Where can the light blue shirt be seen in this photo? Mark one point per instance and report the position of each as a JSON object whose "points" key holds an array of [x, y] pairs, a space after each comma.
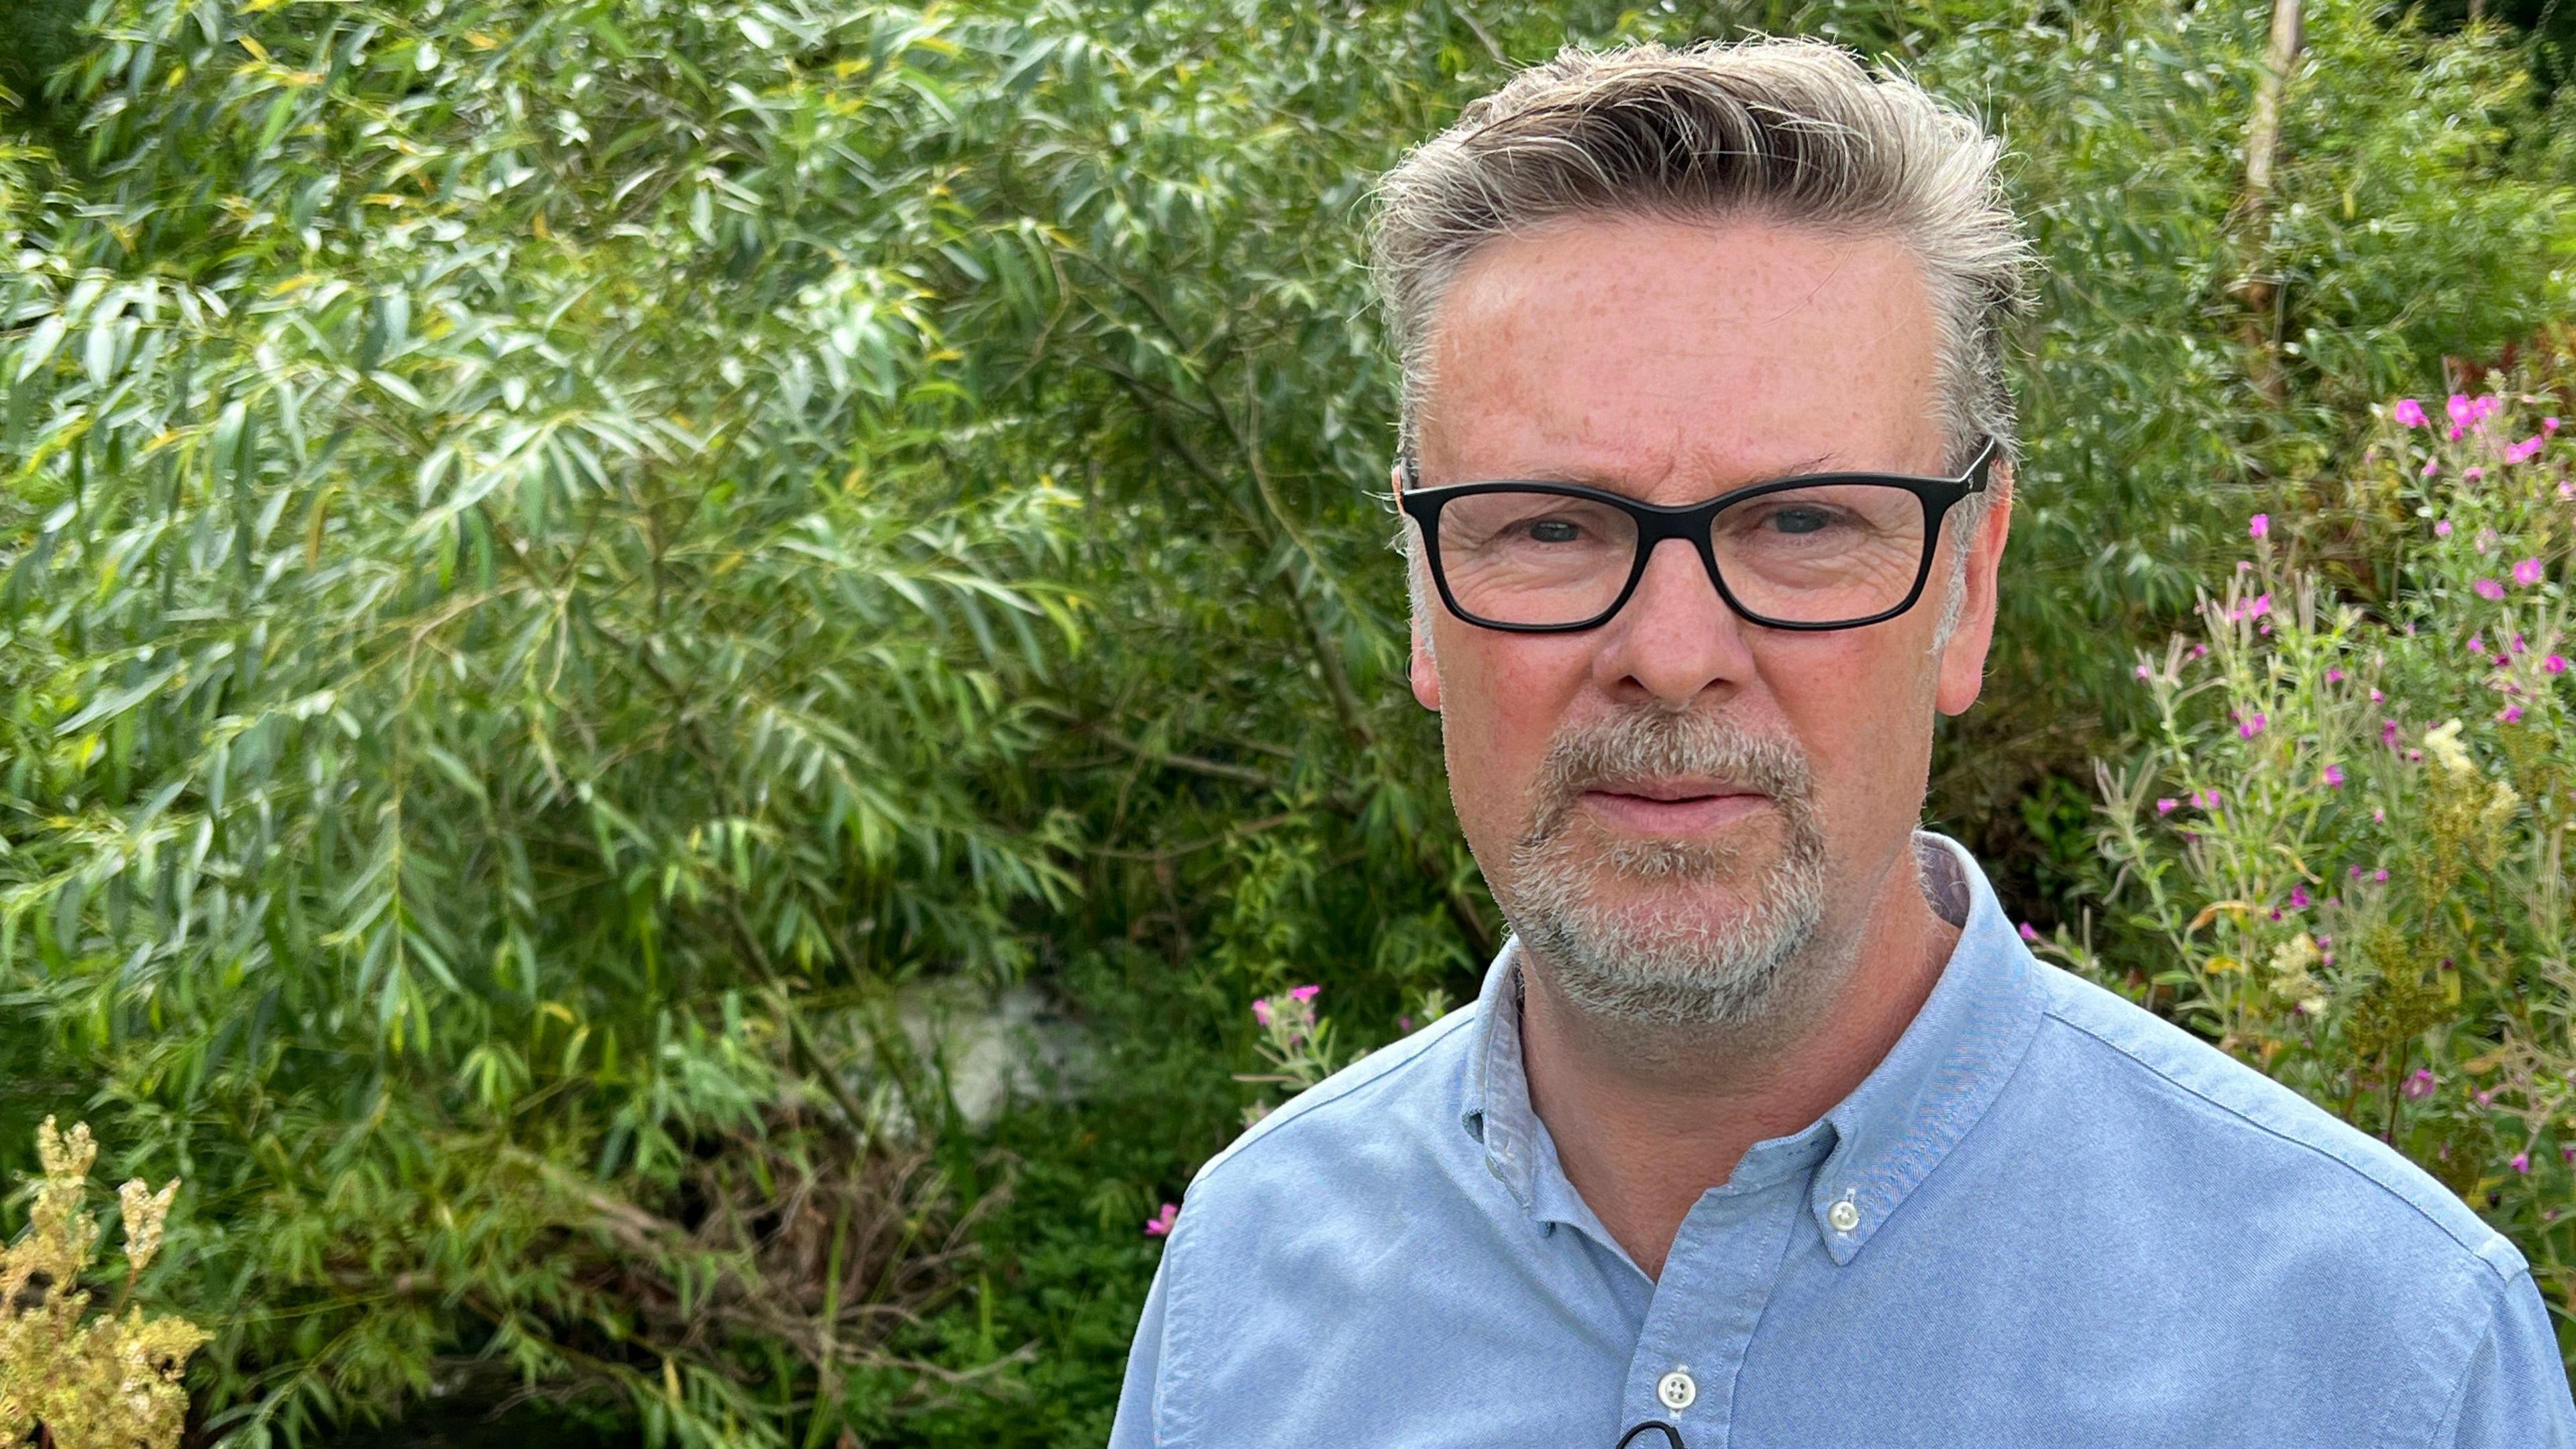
{"points": [[2046, 1219]]}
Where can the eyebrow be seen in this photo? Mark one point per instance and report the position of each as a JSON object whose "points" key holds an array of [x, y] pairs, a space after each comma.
{"points": [[1811, 467]]}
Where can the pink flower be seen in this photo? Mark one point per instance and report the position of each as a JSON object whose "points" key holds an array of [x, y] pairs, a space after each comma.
{"points": [[2522, 452], [2473, 474], [2334, 776], [2299, 900], [2253, 725], [2145, 673], [2477, 643], [2420, 1085], [2567, 1152], [1304, 993], [2510, 714], [2166, 805], [2376, 697], [2549, 425], [2527, 572], [1404, 1023], [2486, 540], [2554, 664], [2259, 525], [2488, 589], [2029, 932], [1160, 1226], [2459, 409], [2334, 676], [2379, 877], [1261, 1010], [2410, 412], [2388, 733], [2519, 1162], [2483, 1096], [2441, 526]]}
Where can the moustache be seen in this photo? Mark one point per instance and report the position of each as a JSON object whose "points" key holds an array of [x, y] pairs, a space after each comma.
{"points": [[1652, 743]]}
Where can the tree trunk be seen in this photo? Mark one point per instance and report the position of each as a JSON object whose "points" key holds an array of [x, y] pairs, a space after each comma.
{"points": [[2262, 164]]}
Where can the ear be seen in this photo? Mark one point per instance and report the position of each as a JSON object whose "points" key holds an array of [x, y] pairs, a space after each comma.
{"points": [[1962, 666], [1425, 674]]}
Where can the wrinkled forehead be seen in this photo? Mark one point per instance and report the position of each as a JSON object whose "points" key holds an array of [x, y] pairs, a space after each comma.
{"points": [[1665, 356]]}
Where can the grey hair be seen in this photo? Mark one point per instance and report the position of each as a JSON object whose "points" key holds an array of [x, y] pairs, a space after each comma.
{"points": [[1788, 131]]}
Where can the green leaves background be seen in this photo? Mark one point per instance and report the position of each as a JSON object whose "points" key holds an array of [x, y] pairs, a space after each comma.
{"points": [[560, 559]]}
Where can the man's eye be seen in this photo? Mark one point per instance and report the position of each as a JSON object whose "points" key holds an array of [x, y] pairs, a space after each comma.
{"points": [[1554, 530], [1800, 520]]}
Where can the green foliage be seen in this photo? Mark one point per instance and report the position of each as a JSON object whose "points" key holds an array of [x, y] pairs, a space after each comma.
{"points": [[2342, 850], [557, 554]]}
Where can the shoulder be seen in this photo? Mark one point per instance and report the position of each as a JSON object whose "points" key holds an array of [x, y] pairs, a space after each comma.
{"points": [[1401, 1091], [2234, 1130]]}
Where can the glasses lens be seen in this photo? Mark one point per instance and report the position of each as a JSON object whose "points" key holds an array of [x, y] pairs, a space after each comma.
{"points": [[1821, 555], [1534, 558]]}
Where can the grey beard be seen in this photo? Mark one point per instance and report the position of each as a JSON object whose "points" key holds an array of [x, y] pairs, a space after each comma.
{"points": [[1646, 965]]}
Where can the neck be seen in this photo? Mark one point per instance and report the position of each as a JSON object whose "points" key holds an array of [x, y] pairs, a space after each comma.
{"points": [[1646, 1120]]}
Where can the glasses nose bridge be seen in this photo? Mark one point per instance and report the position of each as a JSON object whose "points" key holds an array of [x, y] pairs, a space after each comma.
{"points": [[1690, 527]]}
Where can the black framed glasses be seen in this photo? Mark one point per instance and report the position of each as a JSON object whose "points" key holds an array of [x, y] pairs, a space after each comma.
{"points": [[1819, 551]]}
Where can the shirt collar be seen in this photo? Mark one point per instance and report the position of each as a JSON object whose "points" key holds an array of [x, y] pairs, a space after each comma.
{"points": [[1872, 1148]]}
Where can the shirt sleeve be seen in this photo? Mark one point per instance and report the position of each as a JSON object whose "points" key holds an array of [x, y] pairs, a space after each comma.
{"points": [[2515, 1392], [1138, 1425]]}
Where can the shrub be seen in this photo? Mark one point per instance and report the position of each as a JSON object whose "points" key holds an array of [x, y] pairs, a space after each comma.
{"points": [[2342, 848]]}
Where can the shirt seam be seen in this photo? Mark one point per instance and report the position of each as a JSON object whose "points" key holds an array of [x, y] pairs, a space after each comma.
{"points": [[2447, 1427], [2473, 1250]]}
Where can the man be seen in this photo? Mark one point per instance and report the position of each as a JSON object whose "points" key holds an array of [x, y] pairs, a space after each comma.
{"points": [[1766, 1129]]}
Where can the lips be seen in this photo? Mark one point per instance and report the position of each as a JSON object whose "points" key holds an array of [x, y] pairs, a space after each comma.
{"points": [[1673, 807]]}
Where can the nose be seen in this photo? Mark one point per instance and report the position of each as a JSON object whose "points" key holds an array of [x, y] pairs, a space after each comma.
{"points": [[1675, 637]]}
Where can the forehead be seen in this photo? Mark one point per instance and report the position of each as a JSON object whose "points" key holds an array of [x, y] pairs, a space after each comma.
{"points": [[1667, 357]]}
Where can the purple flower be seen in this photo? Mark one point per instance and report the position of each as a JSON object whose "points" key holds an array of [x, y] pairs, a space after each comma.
{"points": [[2377, 697], [1261, 1010], [1160, 1226], [2420, 1085], [2519, 1162], [2549, 425], [2334, 676], [2166, 805], [2253, 725], [2299, 900], [2554, 664], [1404, 1023], [2441, 526], [2567, 1152], [2334, 776], [2029, 932], [2483, 1096], [2522, 452], [2527, 572], [2434, 465], [2477, 643], [2488, 589], [2379, 877], [2259, 525], [2510, 714], [2410, 412], [2473, 474], [2388, 733], [1304, 993], [2145, 673], [2459, 409]]}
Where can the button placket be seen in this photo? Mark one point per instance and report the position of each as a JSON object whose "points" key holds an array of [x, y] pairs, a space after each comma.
{"points": [[1717, 1279]]}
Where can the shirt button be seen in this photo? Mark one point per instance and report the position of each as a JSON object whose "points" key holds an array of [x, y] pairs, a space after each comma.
{"points": [[1844, 1215], [1676, 1390]]}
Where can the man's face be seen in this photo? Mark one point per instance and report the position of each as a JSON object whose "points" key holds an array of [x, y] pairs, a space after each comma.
{"points": [[1672, 805]]}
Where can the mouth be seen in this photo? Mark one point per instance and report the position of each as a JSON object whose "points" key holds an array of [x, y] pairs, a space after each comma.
{"points": [[1673, 807]]}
